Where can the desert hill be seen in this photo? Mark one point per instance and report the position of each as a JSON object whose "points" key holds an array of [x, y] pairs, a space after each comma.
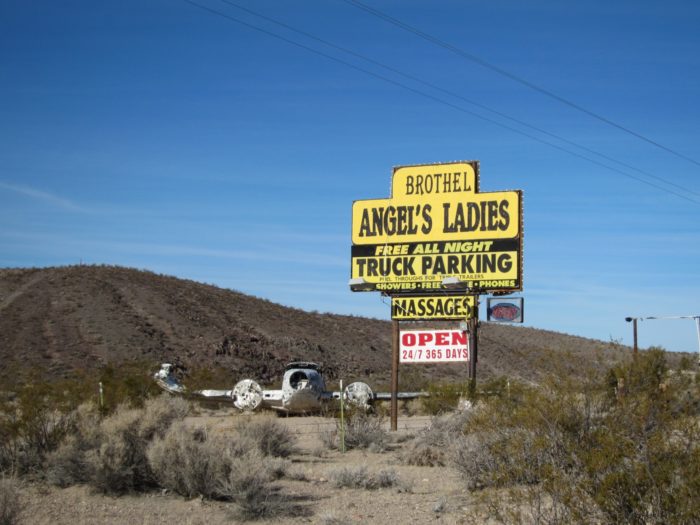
{"points": [[83, 317]]}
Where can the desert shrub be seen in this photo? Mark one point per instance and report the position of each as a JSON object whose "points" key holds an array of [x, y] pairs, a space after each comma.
{"points": [[423, 455], [129, 383], [159, 413], [10, 501], [432, 446], [120, 463], [39, 414], [443, 398], [68, 464], [386, 478], [32, 425], [497, 387], [508, 457], [361, 478], [411, 407], [248, 485], [686, 363], [187, 462], [330, 440], [572, 452], [270, 436], [332, 519], [190, 462], [361, 430]]}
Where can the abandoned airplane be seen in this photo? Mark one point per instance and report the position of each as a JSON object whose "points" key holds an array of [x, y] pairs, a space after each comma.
{"points": [[303, 391]]}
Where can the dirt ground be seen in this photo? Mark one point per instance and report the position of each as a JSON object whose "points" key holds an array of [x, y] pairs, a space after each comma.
{"points": [[421, 495]]}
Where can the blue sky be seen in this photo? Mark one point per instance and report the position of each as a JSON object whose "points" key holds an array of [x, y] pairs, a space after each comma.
{"points": [[164, 136]]}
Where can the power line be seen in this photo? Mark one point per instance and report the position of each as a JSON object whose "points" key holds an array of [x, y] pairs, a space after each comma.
{"points": [[434, 98], [453, 94], [478, 60]]}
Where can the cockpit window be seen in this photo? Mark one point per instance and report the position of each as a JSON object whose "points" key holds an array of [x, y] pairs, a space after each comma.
{"points": [[298, 380]]}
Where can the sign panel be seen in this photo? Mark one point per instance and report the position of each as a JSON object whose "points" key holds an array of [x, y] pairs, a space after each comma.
{"points": [[437, 225], [504, 309], [432, 307], [436, 218], [483, 265], [433, 346]]}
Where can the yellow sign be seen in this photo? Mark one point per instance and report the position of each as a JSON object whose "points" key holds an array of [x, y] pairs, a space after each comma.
{"points": [[493, 265], [435, 307], [436, 203], [437, 225]]}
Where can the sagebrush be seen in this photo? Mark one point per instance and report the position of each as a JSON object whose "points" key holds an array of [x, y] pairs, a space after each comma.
{"points": [[10, 501], [360, 430], [622, 448], [361, 478]]}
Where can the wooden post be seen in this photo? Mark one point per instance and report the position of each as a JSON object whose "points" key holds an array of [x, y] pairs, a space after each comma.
{"points": [[342, 420], [394, 375]]}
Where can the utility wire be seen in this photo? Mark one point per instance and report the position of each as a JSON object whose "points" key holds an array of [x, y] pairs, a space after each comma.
{"points": [[473, 58], [434, 98], [454, 94]]}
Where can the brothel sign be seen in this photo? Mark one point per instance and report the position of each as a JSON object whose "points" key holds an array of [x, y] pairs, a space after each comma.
{"points": [[436, 225], [433, 346]]}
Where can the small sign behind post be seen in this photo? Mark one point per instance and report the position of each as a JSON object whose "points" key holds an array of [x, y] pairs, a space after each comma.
{"points": [[504, 309]]}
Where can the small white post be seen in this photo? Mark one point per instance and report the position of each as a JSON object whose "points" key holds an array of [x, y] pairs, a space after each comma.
{"points": [[342, 419]]}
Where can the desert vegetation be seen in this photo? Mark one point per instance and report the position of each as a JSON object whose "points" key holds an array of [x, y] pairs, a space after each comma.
{"points": [[621, 448], [136, 446], [358, 430], [360, 477], [10, 501], [603, 445]]}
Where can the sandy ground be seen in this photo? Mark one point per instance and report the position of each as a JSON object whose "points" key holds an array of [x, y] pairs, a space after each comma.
{"points": [[422, 494]]}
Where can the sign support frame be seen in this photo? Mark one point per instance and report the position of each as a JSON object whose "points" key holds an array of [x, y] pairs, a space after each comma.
{"points": [[436, 227]]}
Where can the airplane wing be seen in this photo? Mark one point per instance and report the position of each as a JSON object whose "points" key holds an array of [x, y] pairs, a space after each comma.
{"points": [[386, 396], [245, 395], [361, 395]]}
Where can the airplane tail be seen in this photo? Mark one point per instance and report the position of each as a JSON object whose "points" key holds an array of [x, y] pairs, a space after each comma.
{"points": [[165, 379]]}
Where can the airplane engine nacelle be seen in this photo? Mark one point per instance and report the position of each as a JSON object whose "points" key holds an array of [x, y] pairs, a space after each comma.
{"points": [[359, 394], [247, 395]]}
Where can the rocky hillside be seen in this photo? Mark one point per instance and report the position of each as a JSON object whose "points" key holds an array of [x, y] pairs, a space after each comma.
{"points": [[83, 317]]}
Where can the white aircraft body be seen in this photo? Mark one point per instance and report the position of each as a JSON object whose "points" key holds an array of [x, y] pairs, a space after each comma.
{"points": [[303, 391]]}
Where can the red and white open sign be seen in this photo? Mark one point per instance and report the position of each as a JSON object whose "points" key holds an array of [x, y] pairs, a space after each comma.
{"points": [[433, 346]]}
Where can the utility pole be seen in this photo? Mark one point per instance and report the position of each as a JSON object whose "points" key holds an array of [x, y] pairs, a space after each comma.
{"points": [[633, 320]]}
